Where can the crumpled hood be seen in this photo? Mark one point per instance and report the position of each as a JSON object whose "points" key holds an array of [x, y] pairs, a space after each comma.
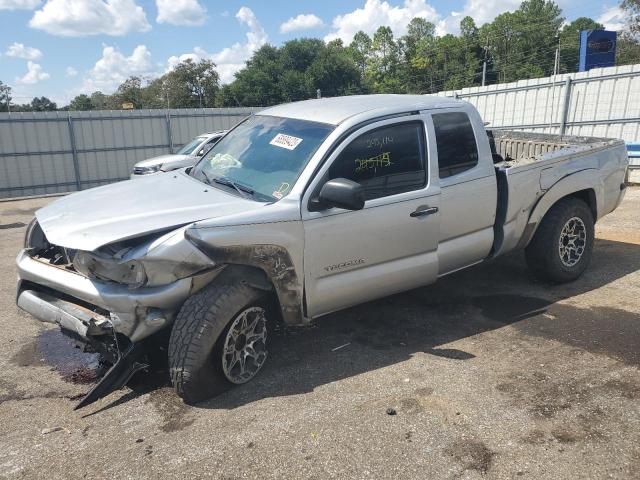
{"points": [[92, 218], [165, 159]]}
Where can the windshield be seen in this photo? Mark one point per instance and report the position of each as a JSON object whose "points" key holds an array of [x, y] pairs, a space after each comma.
{"points": [[263, 156], [191, 146]]}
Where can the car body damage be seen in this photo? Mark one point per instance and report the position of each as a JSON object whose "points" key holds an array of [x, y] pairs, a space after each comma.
{"points": [[274, 261]]}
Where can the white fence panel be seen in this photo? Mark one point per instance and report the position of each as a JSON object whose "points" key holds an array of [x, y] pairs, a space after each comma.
{"points": [[53, 152]]}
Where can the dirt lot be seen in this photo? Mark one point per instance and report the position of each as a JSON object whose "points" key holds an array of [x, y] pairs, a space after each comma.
{"points": [[490, 374]]}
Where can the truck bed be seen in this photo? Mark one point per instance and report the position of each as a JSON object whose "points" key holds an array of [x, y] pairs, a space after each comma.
{"points": [[516, 148], [528, 165]]}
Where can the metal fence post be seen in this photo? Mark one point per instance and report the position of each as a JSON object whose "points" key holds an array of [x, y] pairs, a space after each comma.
{"points": [[567, 104], [74, 152], [169, 134]]}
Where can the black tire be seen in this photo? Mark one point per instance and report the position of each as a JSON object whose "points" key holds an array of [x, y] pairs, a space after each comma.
{"points": [[543, 253], [197, 338]]}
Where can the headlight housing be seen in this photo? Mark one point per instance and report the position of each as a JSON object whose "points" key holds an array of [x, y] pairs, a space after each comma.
{"points": [[130, 272], [146, 170], [34, 238]]}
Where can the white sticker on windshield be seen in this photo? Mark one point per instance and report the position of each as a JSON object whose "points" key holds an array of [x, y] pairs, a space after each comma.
{"points": [[285, 141]]}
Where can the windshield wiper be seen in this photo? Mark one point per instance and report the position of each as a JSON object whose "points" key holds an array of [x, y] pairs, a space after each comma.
{"points": [[241, 189]]}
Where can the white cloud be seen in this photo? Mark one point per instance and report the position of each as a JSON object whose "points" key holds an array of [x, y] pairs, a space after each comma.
{"points": [[613, 18], [71, 72], [483, 11], [181, 12], [231, 59], [304, 21], [18, 50], [76, 18], [377, 13], [113, 68], [34, 74], [18, 4]]}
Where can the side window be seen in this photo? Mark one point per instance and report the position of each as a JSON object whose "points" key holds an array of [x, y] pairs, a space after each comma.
{"points": [[457, 149], [207, 146], [385, 161]]}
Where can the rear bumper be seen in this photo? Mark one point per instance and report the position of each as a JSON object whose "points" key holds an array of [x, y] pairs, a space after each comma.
{"points": [[135, 313]]}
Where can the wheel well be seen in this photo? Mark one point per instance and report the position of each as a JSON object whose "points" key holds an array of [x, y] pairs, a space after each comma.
{"points": [[588, 196], [255, 277], [252, 276]]}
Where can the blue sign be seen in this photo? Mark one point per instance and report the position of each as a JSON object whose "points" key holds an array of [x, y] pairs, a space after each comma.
{"points": [[597, 49]]}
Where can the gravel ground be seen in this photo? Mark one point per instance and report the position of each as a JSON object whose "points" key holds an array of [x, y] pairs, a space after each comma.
{"points": [[489, 373]]}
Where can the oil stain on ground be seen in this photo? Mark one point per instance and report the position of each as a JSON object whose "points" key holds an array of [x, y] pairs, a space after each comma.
{"points": [[471, 455], [52, 348], [175, 414]]}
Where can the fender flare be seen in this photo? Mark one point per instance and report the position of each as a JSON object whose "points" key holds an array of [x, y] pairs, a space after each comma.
{"points": [[575, 182]]}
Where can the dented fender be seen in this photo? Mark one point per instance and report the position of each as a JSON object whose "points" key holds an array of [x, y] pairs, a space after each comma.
{"points": [[274, 260]]}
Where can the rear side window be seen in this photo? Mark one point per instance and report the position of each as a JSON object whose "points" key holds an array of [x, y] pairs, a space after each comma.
{"points": [[457, 149], [385, 161]]}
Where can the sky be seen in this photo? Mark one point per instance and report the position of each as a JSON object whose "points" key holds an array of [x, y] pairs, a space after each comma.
{"points": [[61, 48]]}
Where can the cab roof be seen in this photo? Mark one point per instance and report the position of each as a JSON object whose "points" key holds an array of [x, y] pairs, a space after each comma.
{"points": [[336, 110]]}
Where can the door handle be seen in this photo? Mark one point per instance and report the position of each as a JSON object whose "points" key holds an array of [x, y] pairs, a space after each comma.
{"points": [[423, 211]]}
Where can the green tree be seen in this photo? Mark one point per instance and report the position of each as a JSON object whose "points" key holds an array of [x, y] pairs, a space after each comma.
{"points": [[5, 97], [522, 43], [627, 49], [360, 49], [42, 104], [334, 73], [384, 61], [193, 84], [99, 101], [130, 91], [632, 9], [293, 72], [416, 47], [81, 102]]}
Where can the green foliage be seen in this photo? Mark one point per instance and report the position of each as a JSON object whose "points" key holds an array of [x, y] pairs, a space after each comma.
{"points": [[293, 72], [632, 8], [43, 104], [81, 102], [5, 97], [517, 45]]}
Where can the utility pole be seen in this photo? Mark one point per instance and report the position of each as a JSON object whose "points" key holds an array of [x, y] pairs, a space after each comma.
{"points": [[556, 63], [484, 63]]}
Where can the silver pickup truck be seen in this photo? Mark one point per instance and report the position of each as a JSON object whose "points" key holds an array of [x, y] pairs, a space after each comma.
{"points": [[302, 210]]}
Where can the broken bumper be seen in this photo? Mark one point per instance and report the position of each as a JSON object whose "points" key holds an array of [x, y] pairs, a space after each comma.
{"points": [[135, 313]]}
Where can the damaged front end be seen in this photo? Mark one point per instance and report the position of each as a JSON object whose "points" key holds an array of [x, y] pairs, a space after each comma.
{"points": [[114, 299]]}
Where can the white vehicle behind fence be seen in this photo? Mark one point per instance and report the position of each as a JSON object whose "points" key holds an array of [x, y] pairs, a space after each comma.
{"points": [[187, 156], [299, 211]]}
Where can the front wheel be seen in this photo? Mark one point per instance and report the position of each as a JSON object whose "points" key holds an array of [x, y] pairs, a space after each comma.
{"points": [[218, 339], [561, 248]]}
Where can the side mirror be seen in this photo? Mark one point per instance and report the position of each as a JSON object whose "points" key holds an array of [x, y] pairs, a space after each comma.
{"points": [[342, 193]]}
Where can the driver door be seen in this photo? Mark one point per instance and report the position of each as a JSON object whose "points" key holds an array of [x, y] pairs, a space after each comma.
{"points": [[389, 246]]}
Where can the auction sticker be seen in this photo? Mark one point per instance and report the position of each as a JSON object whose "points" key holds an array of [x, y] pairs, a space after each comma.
{"points": [[285, 141]]}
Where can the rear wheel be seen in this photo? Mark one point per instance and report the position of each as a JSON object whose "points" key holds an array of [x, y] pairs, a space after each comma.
{"points": [[562, 246], [219, 339]]}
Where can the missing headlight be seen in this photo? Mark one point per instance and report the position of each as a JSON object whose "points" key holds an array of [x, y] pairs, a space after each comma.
{"points": [[130, 272], [34, 238]]}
